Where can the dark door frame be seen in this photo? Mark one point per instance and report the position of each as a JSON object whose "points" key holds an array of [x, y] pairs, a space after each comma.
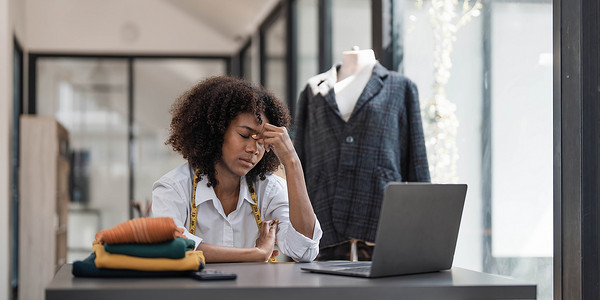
{"points": [[576, 137]]}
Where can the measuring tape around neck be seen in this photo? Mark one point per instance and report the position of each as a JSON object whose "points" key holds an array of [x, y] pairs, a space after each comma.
{"points": [[194, 211]]}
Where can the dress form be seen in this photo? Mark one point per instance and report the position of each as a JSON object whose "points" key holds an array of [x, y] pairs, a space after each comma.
{"points": [[352, 77]]}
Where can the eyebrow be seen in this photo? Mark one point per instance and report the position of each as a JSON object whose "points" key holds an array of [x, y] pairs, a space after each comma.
{"points": [[248, 128]]}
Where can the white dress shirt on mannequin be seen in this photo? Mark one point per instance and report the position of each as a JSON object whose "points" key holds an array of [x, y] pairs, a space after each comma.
{"points": [[352, 77]]}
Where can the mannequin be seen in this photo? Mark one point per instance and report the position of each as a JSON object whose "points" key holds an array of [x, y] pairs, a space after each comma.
{"points": [[354, 61], [357, 127], [352, 77]]}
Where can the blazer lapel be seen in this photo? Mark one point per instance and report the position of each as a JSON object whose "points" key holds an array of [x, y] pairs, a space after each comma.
{"points": [[330, 99], [323, 85], [374, 85]]}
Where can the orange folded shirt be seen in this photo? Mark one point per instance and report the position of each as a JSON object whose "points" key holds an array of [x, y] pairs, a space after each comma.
{"points": [[141, 231]]}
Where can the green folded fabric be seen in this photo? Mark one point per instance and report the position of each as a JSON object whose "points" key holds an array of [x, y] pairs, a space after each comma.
{"points": [[172, 249]]}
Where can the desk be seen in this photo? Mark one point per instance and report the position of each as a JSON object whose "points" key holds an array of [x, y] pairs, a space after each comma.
{"points": [[287, 281]]}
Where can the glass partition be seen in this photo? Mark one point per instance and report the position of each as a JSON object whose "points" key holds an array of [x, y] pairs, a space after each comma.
{"points": [[307, 41], [157, 84], [247, 63], [117, 143], [351, 26], [88, 96], [486, 71], [274, 71], [521, 142]]}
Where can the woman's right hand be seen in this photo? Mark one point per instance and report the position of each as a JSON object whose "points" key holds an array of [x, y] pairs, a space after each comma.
{"points": [[266, 239]]}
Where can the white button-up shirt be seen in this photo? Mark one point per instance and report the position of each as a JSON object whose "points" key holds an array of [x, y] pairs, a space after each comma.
{"points": [[172, 197]]}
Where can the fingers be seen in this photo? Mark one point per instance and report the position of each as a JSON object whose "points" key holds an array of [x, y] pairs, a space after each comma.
{"points": [[271, 131], [271, 135], [275, 253], [265, 226], [271, 127], [269, 227], [267, 238], [276, 138]]}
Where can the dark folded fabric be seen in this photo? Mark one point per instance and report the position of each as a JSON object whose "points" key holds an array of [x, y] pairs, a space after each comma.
{"points": [[87, 268], [171, 249]]}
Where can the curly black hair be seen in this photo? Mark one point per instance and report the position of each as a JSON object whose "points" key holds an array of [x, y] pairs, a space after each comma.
{"points": [[201, 116]]}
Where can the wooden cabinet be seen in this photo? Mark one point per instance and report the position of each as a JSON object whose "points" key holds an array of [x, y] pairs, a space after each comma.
{"points": [[43, 203]]}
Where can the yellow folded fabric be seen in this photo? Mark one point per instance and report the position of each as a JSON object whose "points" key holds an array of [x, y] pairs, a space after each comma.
{"points": [[192, 261]]}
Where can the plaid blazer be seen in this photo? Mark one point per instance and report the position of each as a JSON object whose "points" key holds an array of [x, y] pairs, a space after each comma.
{"points": [[347, 164]]}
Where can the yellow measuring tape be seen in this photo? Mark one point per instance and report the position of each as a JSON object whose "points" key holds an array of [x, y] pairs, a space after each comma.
{"points": [[194, 211]]}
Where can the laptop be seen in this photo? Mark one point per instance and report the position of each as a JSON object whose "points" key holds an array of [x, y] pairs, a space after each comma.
{"points": [[417, 232]]}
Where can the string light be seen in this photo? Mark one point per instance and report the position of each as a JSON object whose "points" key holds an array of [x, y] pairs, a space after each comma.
{"points": [[439, 113]]}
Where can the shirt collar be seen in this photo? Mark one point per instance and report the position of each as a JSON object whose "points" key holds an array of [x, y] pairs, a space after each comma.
{"points": [[205, 193], [322, 83], [244, 191]]}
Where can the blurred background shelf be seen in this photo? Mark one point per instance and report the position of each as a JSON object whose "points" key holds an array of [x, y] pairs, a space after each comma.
{"points": [[44, 203]]}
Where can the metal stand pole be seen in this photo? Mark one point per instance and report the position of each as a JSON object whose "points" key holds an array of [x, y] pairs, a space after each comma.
{"points": [[353, 250]]}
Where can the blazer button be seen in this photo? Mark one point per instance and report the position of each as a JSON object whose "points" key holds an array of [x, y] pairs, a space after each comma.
{"points": [[349, 139]]}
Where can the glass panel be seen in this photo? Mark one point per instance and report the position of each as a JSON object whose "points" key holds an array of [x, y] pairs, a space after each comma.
{"points": [[522, 115], [88, 96], [247, 64], [307, 41], [251, 60], [464, 90], [157, 84], [275, 55], [351, 26], [506, 88], [522, 158]]}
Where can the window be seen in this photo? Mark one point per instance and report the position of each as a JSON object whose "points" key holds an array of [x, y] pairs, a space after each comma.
{"points": [[273, 71], [347, 34], [117, 113], [499, 77], [157, 83], [307, 39]]}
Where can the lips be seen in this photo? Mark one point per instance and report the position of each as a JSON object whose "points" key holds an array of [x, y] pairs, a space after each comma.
{"points": [[248, 161]]}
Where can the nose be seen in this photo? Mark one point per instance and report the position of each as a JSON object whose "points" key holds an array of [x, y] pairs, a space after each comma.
{"points": [[254, 146]]}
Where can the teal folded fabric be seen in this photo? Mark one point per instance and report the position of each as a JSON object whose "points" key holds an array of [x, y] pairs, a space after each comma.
{"points": [[172, 249], [87, 268]]}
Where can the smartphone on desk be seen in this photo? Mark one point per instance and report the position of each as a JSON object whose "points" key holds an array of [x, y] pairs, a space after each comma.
{"points": [[212, 274]]}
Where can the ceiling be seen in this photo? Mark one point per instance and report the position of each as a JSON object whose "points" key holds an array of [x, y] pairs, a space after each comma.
{"points": [[234, 19]]}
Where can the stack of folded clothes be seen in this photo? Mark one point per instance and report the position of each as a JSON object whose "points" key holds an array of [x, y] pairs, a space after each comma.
{"points": [[143, 247]]}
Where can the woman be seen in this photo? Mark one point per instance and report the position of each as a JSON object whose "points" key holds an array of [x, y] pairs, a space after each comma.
{"points": [[233, 136]]}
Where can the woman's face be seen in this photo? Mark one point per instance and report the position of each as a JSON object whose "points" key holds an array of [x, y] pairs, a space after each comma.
{"points": [[241, 151]]}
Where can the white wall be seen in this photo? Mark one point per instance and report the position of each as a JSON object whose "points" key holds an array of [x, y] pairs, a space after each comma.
{"points": [[18, 20], [113, 26]]}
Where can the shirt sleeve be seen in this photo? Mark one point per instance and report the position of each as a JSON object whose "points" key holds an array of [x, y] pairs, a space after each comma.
{"points": [[169, 200], [292, 243]]}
